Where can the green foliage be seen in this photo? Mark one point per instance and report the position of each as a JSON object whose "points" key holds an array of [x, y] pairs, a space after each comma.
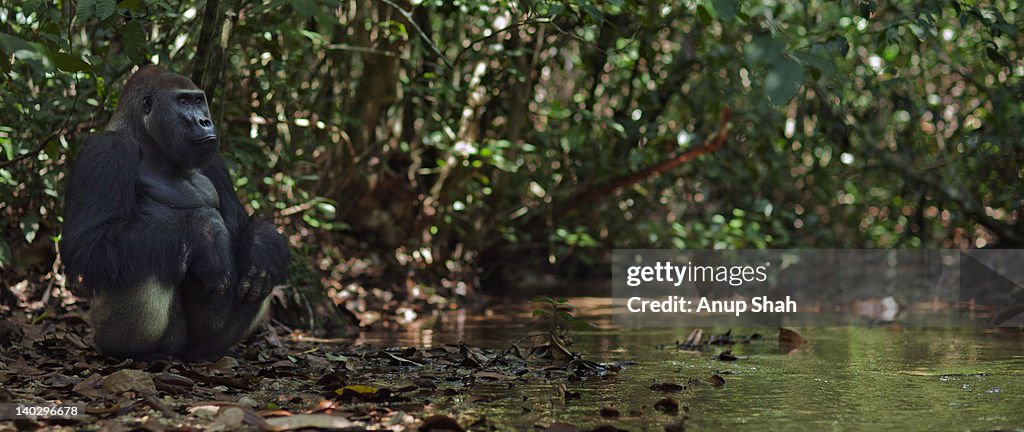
{"points": [[560, 316], [5, 254], [431, 132]]}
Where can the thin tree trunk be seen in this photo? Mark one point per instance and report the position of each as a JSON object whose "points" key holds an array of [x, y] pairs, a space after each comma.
{"points": [[219, 18]]}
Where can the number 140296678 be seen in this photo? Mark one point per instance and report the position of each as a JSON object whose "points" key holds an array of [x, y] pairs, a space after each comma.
{"points": [[12, 411]]}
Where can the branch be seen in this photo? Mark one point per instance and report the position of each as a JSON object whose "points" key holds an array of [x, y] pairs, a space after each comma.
{"points": [[1006, 232], [512, 26], [716, 143], [596, 192], [53, 135], [423, 35]]}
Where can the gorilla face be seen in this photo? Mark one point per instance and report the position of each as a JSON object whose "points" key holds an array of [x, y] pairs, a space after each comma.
{"points": [[178, 120]]}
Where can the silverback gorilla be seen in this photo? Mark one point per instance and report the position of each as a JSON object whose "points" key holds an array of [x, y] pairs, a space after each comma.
{"points": [[155, 234]]}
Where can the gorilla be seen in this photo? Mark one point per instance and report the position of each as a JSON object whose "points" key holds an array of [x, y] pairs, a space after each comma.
{"points": [[155, 234]]}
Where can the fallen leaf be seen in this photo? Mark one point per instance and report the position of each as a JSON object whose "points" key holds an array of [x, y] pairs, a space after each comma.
{"points": [[332, 380], [158, 405], [399, 360], [716, 380], [693, 340], [473, 357], [424, 383], [76, 341], [21, 367], [284, 364], [559, 350], [667, 405], [363, 392], [129, 380], [224, 365], [172, 383], [789, 340]]}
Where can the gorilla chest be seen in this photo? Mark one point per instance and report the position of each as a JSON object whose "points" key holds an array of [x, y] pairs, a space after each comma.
{"points": [[169, 197]]}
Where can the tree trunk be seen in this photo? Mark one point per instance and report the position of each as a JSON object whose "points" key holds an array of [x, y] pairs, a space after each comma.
{"points": [[219, 18]]}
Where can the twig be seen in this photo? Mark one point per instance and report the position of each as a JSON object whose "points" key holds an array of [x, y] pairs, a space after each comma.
{"points": [[512, 26], [155, 403], [515, 345], [423, 35], [53, 135], [35, 151]]}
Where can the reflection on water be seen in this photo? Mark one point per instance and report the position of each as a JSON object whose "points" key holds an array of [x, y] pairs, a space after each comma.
{"points": [[845, 378]]}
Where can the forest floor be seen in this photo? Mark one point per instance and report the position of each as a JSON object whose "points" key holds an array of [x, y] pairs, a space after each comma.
{"points": [[279, 380]]}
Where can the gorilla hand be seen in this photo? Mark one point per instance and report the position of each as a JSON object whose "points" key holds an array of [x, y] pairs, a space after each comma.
{"points": [[260, 254], [254, 285]]}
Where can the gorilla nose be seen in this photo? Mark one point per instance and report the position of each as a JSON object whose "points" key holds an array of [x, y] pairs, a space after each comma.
{"points": [[203, 130]]}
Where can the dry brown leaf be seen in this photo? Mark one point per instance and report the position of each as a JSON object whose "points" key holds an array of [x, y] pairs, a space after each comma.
{"points": [[790, 340], [224, 365], [129, 380], [667, 405], [694, 338], [90, 386], [715, 380]]}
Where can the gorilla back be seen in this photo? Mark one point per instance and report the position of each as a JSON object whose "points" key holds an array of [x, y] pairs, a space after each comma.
{"points": [[154, 232]]}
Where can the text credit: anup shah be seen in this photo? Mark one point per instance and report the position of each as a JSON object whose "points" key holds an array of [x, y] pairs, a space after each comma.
{"points": [[678, 304]]}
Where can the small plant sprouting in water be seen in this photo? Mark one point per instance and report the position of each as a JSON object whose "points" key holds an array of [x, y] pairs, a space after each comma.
{"points": [[556, 319], [560, 314]]}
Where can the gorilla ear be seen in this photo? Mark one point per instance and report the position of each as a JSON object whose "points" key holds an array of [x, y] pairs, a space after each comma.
{"points": [[147, 104]]}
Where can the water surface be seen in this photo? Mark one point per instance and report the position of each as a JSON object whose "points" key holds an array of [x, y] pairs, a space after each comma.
{"points": [[876, 378]]}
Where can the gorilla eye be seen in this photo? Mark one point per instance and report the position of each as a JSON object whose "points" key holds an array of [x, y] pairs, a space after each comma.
{"points": [[182, 100]]}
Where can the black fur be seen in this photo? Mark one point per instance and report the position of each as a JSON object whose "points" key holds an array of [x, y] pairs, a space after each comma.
{"points": [[154, 232]]}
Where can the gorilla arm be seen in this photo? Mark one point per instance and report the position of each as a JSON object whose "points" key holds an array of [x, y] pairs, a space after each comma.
{"points": [[261, 253], [101, 242]]}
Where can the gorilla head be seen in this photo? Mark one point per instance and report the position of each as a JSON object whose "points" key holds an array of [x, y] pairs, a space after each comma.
{"points": [[172, 114]]}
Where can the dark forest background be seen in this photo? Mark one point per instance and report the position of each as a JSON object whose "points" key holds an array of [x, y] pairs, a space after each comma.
{"points": [[418, 154]]}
